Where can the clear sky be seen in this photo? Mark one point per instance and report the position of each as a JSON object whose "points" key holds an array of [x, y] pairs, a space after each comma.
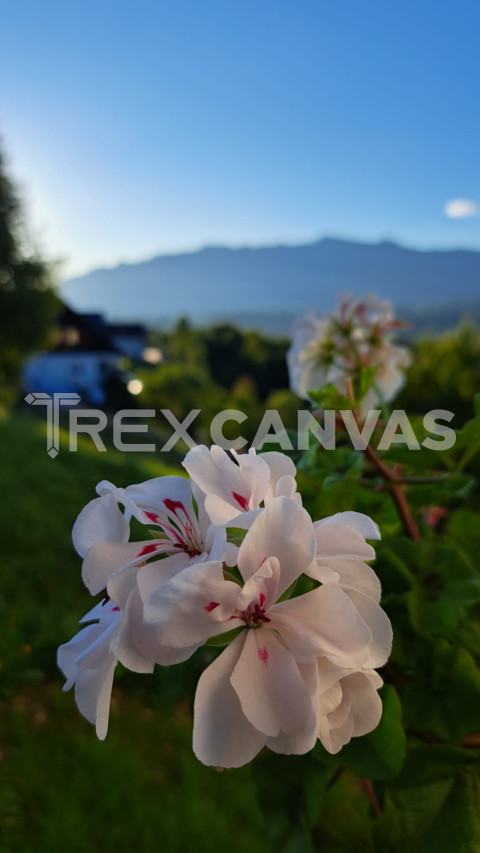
{"points": [[137, 128]]}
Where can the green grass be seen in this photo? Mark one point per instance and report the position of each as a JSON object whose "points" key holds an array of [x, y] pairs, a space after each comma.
{"points": [[60, 789]]}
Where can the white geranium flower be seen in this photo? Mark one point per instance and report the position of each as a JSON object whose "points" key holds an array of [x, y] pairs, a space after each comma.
{"points": [[235, 488], [263, 689], [183, 535]]}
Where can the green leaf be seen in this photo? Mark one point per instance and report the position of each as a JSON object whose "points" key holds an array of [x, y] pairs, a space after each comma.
{"points": [[463, 528], [288, 592], [226, 638], [476, 405], [442, 695], [468, 440], [437, 794], [445, 582], [363, 381], [398, 553], [347, 820], [468, 631], [290, 793], [329, 397], [423, 460]]}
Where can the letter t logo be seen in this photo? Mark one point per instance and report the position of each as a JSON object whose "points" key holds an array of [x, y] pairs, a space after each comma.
{"points": [[53, 404]]}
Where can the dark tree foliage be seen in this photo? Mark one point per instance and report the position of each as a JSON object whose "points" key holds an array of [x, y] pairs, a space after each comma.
{"points": [[232, 354], [27, 300]]}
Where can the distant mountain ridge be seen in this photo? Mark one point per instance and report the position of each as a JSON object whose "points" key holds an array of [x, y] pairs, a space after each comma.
{"points": [[275, 280]]}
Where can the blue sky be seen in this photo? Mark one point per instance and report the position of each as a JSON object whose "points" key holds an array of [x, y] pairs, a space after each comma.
{"points": [[141, 128]]}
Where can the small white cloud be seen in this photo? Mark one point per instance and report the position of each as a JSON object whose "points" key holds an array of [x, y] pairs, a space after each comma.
{"points": [[459, 208]]}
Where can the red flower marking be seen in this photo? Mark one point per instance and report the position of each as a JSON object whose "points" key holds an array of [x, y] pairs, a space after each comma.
{"points": [[147, 549], [153, 517], [263, 655], [211, 606], [253, 618], [262, 599], [241, 501], [116, 608], [174, 505]]}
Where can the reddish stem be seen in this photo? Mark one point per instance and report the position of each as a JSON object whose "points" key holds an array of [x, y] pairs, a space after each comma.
{"points": [[398, 494], [472, 741], [368, 788]]}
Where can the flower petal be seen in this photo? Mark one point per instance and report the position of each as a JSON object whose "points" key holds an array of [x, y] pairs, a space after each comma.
{"points": [[93, 691], [192, 606], [124, 646], [99, 520], [283, 530], [222, 735], [230, 487], [365, 702], [304, 740], [105, 558], [269, 685], [323, 622], [358, 520], [352, 575], [341, 540], [380, 626]]}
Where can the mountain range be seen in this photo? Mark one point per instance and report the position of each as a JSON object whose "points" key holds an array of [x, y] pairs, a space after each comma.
{"points": [[279, 282]]}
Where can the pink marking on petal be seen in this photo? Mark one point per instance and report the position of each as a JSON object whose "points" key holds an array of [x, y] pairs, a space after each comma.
{"points": [[241, 501], [116, 608], [174, 505], [147, 549], [263, 655], [153, 517], [211, 606], [262, 599]]}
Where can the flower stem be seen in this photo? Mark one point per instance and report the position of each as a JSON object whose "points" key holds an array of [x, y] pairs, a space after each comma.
{"points": [[368, 788], [394, 484], [398, 494]]}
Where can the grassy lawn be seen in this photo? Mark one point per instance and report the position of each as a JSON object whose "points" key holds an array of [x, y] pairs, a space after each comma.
{"points": [[61, 789]]}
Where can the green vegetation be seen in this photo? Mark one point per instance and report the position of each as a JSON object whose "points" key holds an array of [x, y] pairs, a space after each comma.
{"points": [[220, 368], [445, 373], [61, 789], [27, 300]]}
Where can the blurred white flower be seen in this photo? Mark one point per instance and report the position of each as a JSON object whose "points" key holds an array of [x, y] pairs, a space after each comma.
{"points": [[335, 348]]}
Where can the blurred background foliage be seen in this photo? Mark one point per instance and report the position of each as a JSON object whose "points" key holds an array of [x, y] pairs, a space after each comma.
{"points": [[28, 303]]}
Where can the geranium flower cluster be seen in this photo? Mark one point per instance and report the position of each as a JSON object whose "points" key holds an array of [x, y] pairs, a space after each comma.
{"points": [[337, 347], [223, 552]]}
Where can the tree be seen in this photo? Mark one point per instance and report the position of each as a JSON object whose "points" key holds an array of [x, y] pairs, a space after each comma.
{"points": [[27, 300]]}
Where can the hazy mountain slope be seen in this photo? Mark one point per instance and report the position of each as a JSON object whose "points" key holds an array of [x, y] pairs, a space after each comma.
{"points": [[216, 281]]}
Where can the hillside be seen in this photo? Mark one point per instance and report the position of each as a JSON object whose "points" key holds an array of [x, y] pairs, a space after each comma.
{"points": [[275, 280]]}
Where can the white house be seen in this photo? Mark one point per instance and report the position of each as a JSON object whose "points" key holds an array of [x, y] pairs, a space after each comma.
{"points": [[87, 357]]}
